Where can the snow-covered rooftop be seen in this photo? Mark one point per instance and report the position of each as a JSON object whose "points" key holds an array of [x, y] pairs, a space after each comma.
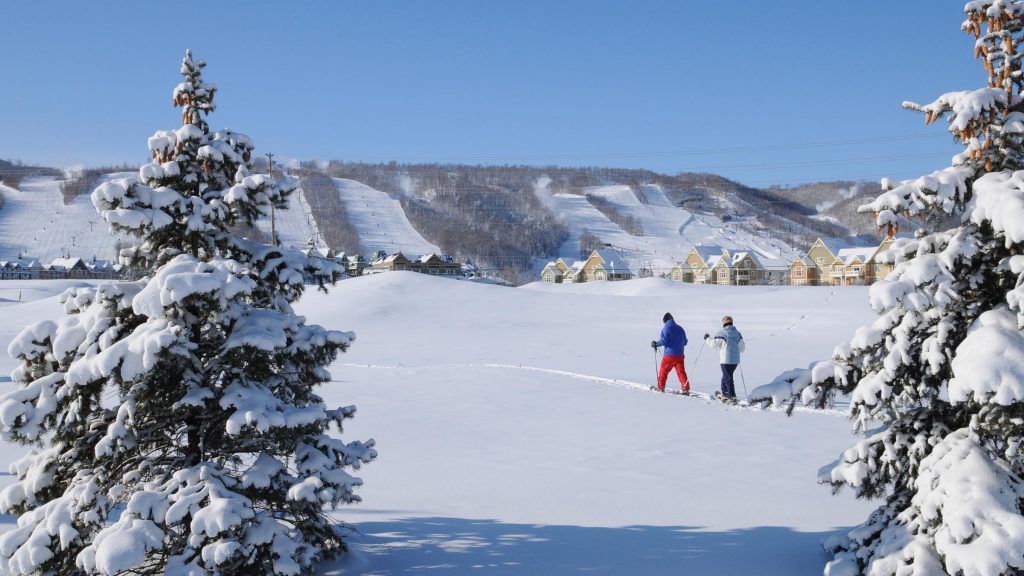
{"points": [[613, 263], [707, 251]]}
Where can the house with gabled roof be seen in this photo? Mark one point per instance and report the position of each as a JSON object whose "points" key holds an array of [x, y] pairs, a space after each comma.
{"points": [[710, 264], [803, 272], [696, 267], [840, 262], [74, 268], [391, 263], [605, 265], [436, 265], [600, 265], [554, 272], [747, 269]]}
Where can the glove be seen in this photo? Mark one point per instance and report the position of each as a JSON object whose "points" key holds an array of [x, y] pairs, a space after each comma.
{"points": [[654, 344], [706, 336]]}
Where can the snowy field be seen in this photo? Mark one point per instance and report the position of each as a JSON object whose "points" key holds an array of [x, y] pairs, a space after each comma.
{"points": [[380, 221], [517, 436], [669, 232]]}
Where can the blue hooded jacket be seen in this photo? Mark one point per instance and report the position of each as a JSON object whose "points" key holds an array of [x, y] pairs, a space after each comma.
{"points": [[673, 338]]}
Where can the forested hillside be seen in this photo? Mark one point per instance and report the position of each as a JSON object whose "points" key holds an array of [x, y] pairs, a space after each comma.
{"points": [[501, 218]]}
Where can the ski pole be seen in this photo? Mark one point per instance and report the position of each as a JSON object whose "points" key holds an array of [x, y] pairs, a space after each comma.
{"points": [[744, 380], [701, 351], [655, 365]]}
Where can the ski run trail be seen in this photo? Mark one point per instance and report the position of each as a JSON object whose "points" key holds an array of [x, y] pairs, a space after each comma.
{"points": [[513, 438], [35, 223], [295, 226], [669, 231], [380, 221]]}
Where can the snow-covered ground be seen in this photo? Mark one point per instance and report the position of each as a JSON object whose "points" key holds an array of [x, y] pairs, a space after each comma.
{"points": [[380, 220], [669, 232], [517, 436], [35, 222]]}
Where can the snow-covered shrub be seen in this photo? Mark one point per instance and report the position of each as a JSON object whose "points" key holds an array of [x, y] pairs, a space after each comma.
{"points": [[176, 426], [936, 383]]}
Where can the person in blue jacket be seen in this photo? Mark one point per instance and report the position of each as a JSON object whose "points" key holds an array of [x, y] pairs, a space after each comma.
{"points": [[673, 338], [729, 343]]}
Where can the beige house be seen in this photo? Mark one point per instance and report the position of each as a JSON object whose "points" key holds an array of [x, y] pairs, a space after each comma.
{"points": [[708, 264], [554, 271], [600, 265], [837, 262], [392, 263], [803, 272], [432, 264], [436, 265], [696, 268]]}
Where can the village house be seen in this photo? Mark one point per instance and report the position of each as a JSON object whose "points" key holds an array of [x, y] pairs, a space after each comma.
{"points": [[840, 262], [58, 269], [391, 263], [71, 268], [709, 264], [436, 265], [355, 264], [554, 271], [432, 264], [600, 265]]}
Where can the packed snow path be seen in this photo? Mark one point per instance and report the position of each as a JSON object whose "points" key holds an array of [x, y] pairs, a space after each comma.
{"points": [[514, 438], [380, 221]]}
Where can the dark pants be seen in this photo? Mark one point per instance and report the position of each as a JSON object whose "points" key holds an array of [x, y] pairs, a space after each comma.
{"points": [[728, 385]]}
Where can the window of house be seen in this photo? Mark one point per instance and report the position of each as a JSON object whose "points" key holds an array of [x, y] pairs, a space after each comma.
{"points": [[400, 267], [820, 260], [798, 272], [856, 269]]}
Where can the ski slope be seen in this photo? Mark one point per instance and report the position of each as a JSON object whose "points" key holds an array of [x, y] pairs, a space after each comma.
{"points": [[512, 445], [34, 222], [669, 232], [295, 227], [380, 220]]}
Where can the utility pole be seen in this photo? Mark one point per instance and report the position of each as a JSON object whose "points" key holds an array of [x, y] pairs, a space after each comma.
{"points": [[273, 227]]}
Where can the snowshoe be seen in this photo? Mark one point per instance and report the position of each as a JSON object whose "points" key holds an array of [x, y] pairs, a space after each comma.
{"points": [[725, 399]]}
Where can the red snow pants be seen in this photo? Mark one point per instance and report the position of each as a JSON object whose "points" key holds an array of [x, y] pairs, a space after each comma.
{"points": [[668, 362]]}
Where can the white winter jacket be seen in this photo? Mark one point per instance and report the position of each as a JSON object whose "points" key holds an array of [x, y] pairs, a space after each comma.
{"points": [[729, 343]]}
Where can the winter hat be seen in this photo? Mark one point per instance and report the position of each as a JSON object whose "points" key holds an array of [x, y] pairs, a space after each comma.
{"points": [[667, 317]]}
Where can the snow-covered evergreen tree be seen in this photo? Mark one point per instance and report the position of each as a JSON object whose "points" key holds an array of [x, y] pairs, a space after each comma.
{"points": [[177, 426], [936, 383]]}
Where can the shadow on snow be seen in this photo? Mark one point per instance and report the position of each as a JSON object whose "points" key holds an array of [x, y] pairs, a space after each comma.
{"points": [[451, 546]]}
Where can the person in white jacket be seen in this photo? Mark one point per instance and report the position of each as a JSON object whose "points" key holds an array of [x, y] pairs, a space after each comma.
{"points": [[729, 343]]}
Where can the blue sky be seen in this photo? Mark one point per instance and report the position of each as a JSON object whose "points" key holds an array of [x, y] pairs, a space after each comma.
{"points": [[761, 92]]}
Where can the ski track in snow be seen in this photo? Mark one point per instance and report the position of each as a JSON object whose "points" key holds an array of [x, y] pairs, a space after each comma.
{"points": [[380, 220], [618, 383]]}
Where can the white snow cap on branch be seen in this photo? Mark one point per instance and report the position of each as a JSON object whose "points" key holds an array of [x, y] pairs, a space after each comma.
{"points": [[989, 363]]}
